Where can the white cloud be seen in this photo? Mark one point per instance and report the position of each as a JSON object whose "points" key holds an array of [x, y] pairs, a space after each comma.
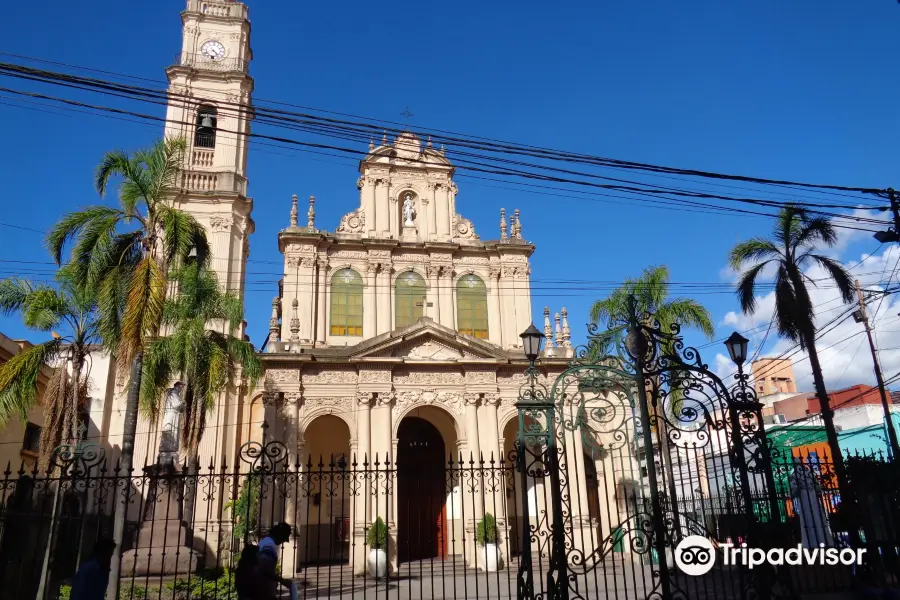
{"points": [[843, 349]]}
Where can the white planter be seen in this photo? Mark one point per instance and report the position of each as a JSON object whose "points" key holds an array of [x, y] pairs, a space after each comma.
{"points": [[491, 556], [378, 563]]}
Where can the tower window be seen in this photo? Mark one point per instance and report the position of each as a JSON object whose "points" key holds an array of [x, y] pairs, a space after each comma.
{"points": [[409, 298], [32, 439], [471, 306], [205, 135], [347, 303]]}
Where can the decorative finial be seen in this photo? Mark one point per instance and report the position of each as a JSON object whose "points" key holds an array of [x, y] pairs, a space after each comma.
{"points": [[274, 329], [557, 339], [443, 150], [548, 330], [566, 332], [294, 210], [517, 228], [384, 138], [502, 224], [429, 141], [371, 144], [311, 215], [295, 322]]}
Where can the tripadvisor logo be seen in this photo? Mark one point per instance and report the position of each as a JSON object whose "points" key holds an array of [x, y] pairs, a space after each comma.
{"points": [[696, 555]]}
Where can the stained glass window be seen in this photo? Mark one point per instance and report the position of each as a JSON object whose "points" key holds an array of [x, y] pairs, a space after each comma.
{"points": [[409, 299], [347, 303], [471, 306]]}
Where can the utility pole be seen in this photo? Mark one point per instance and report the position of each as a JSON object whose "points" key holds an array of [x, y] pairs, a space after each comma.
{"points": [[892, 234], [861, 316]]}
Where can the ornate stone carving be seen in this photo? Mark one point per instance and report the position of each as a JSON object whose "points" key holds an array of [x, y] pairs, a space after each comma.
{"points": [[432, 271], [380, 254], [353, 222], [379, 376], [464, 228], [492, 398], [283, 375], [344, 376], [472, 398], [386, 398], [220, 223], [307, 262], [361, 182], [293, 398], [372, 267], [429, 378], [480, 377], [407, 257], [494, 272], [365, 398], [343, 404], [292, 261], [350, 254], [452, 401], [515, 258], [431, 351], [269, 398], [473, 260]]}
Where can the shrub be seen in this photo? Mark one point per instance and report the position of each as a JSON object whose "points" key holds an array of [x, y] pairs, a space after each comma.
{"points": [[213, 584], [376, 537], [486, 532]]}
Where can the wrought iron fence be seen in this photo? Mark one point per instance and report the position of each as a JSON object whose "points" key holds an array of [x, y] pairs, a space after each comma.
{"points": [[186, 530]]}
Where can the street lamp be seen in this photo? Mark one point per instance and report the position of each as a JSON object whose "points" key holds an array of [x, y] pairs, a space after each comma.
{"points": [[737, 348], [532, 339]]}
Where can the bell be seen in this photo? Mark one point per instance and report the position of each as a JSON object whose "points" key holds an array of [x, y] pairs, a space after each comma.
{"points": [[206, 123]]}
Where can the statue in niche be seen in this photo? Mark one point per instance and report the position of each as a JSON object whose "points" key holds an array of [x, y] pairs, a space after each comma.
{"points": [[171, 428], [408, 210]]}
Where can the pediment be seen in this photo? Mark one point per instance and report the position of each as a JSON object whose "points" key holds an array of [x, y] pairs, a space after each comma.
{"points": [[428, 341]]}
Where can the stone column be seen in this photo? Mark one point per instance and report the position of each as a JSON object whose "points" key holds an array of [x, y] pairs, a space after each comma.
{"points": [[301, 521], [384, 504], [445, 285], [306, 293], [369, 307], [362, 506], [473, 495], [321, 307], [507, 308], [523, 300], [382, 224], [368, 204], [491, 447], [293, 401], [425, 219], [578, 495], [443, 213], [394, 217], [432, 188], [495, 321], [433, 295], [383, 299]]}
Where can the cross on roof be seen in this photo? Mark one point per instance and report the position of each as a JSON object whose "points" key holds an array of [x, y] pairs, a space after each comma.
{"points": [[406, 114]]}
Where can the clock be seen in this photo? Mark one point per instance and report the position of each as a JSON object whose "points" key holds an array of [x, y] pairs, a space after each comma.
{"points": [[213, 50]]}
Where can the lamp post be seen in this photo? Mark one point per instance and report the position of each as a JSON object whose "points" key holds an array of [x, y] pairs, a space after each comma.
{"points": [[743, 400], [537, 430]]}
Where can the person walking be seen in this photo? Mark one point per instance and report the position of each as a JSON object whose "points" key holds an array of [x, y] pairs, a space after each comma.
{"points": [[268, 560], [93, 574]]}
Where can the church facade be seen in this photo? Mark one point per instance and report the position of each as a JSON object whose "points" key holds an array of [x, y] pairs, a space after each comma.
{"points": [[394, 340]]}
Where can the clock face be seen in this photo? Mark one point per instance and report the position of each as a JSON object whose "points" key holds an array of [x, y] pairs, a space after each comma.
{"points": [[213, 50]]}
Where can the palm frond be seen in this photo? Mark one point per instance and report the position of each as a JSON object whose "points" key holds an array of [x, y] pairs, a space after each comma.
{"points": [[71, 225], [13, 294], [752, 250], [746, 288], [839, 275], [19, 379], [689, 313]]}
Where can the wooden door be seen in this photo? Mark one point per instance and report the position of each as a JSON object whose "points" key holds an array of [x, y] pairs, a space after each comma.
{"points": [[421, 491]]}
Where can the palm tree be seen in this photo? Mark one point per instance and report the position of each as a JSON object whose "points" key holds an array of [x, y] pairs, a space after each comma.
{"points": [[125, 254], [204, 358], [45, 308], [794, 239], [651, 293]]}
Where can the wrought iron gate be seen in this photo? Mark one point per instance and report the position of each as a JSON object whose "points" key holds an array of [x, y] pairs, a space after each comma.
{"points": [[675, 452]]}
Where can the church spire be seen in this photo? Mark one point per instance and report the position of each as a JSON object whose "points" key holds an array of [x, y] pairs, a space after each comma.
{"points": [[311, 215], [294, 210], [502, 224]]}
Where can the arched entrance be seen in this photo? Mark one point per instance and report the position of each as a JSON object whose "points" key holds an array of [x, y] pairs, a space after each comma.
{"points": [[421, 491]]}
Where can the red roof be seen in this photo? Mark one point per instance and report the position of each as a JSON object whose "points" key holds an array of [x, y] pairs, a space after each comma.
{"points": [[857, 395]]}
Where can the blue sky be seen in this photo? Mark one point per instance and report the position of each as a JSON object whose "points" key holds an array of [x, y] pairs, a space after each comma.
{"points": [[803, 90]]}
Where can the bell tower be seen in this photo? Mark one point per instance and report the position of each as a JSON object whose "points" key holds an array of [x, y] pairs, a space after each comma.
{"points": [[210, 107]]}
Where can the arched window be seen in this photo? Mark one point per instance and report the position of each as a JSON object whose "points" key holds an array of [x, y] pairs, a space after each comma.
{"points": [[346, 303], [471, 306], [205, 135], [409, 298]]}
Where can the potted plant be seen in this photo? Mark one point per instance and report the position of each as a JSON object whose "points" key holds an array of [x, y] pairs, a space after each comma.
{"points": [[376, 540], [486, 536]]}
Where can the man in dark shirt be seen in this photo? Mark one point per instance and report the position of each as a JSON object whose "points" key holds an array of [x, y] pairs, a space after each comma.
{"points": [[93, 575]]}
